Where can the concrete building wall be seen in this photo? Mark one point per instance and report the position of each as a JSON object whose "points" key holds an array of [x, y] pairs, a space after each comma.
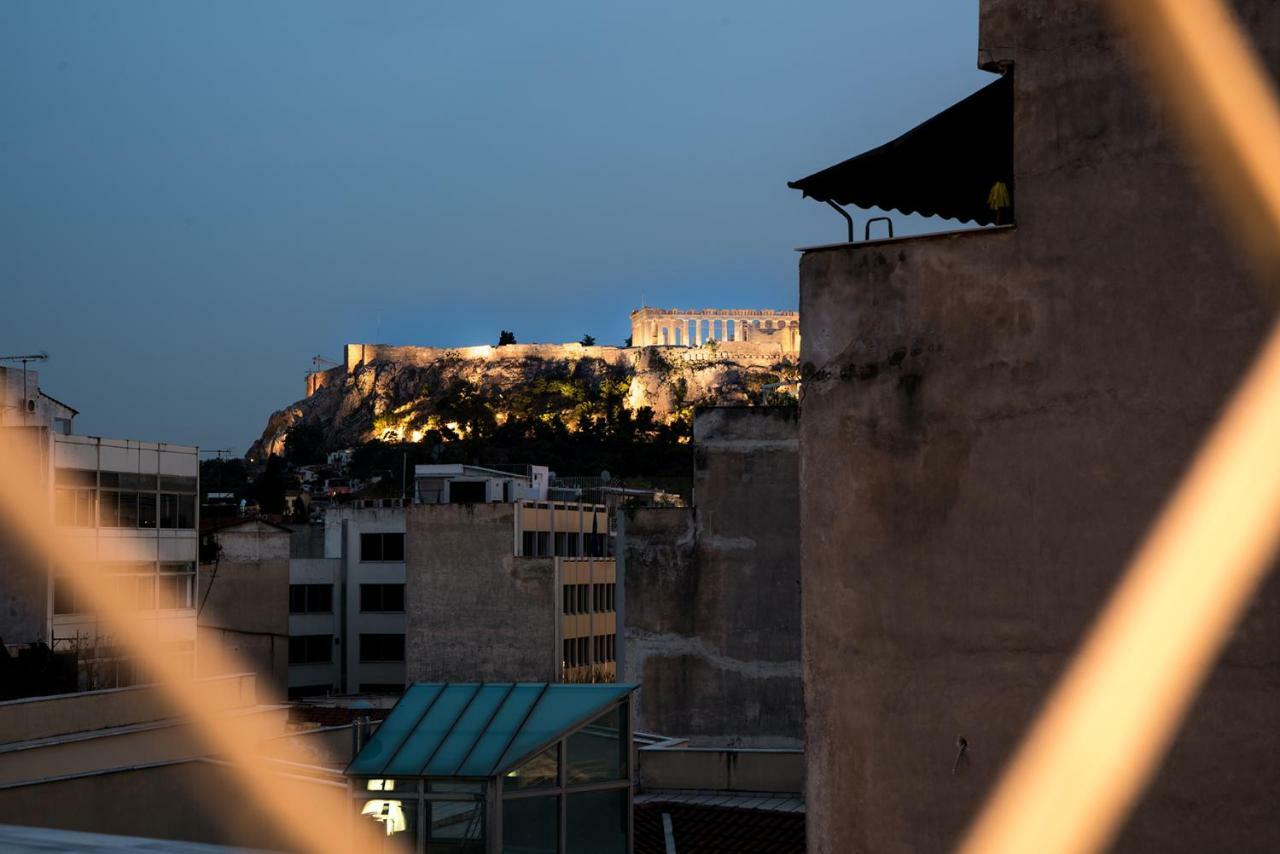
{"points": [[712, 597], [243, 605], [195, 801], [475, 610], [991, 421]]}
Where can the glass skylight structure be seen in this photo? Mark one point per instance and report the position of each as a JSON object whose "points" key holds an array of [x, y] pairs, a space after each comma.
{"points": [[500, 768]]}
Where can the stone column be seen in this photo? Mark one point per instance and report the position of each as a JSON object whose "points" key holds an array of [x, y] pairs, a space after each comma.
{"points": [[697, 325]]}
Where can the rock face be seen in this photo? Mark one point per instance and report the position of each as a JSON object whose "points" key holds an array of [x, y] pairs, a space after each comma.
{"points": [[421, 393]]}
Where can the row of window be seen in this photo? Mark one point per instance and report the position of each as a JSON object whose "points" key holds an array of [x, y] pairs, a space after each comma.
{"points": [[600, 596], [318, 598], [318, 649], [580, 652], [538, 544], [74, 506], [141, 589]]}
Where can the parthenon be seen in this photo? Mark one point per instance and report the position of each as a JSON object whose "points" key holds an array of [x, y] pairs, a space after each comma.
{"points": [[657, 327]]}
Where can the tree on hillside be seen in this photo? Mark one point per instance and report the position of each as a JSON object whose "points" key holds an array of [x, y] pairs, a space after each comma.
{"points": [[506, 337], [588, 341], [304, 445]]}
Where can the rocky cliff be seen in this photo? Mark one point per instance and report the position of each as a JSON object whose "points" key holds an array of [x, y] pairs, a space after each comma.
{"points": [[448, 395]]}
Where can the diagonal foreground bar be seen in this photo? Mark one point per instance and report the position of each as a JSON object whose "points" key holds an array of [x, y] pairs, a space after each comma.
{"points": [[1115, 712], [269, 798]]}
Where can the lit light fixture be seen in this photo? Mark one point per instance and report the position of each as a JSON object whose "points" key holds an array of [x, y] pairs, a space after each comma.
{"points": [[390, 813], [381, 785]]}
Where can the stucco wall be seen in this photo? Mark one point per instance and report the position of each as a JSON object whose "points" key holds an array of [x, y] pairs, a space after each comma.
{"points": [[244, 606], [476, 612], [196, 801], [712, 593], [990, 423]]}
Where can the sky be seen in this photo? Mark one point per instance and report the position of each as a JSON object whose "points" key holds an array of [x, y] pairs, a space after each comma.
{"points": [[198, 197]]}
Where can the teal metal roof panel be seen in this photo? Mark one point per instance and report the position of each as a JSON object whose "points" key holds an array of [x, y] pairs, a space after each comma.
{"points": [[467, 731], [477, 730], [561, 708], [435, 725], [375, 755], [490, 746]]}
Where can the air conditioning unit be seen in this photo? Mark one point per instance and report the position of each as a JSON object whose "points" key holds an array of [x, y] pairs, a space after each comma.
{"points": [[31, 405]]}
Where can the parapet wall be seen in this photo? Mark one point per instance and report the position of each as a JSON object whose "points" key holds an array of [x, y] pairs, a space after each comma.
{"points": [[355, 355]]}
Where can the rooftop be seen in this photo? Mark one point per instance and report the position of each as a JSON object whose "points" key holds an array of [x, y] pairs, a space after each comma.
{"points": [[478, 729]]}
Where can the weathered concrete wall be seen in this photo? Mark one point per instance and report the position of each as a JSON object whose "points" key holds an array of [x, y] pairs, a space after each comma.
{"points": [[475, 611], [195, 801], [712, 597], [991, 421], [244, 607]]}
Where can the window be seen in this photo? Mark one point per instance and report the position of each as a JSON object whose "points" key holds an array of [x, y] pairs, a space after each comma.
{"points": [[168, 511], [381, 547], [65, 600], [582, 597], [598, 751], [311, 649], [136, 592], [310, 598], [567, 590], [176, 586], [381, 648], [381, 688], [583, 651], [526, 544], [74, 498], [468, 491], [531, 825], [146, 509], [382, 597], [597, 822], [542, 543]]}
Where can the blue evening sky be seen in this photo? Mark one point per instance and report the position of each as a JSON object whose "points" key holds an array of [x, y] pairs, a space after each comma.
{"points": [[197, 197]]}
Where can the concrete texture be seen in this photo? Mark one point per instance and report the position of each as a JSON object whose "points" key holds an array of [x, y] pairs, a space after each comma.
{"points": [[991, 421], [194, 801], [243, 605], [721, 770], [475, 611], [712, 593], [35, 718]]}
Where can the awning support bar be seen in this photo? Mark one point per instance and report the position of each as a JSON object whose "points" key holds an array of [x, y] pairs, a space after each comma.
{"points": [[844, 213]]}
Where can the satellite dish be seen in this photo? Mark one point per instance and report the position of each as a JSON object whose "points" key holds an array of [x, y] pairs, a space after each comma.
{"points": [[604, 476]]}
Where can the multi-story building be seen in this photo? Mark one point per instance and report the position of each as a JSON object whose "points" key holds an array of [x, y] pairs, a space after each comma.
{"points": [[993, 420], [346, 609], [132, 505], [504, 588]]}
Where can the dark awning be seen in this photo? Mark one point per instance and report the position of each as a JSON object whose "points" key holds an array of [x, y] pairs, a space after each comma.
{"points": [[945, 167]]}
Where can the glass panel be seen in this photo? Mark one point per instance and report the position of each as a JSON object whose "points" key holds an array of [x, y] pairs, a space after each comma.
{"points": [[451, 787], [467, 731], [485, 755], [147, 510], [530, 825], [561, 709], [456, 827], [397, 822], [541, 770], [388, 736], [128, 510], [596, 822], [432, 729], [598, 751], [108, 510]]}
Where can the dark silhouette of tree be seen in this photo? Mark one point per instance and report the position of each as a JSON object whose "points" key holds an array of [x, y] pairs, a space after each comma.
{"points": [[506, 337], [588, 341], [304, 445], [628, 343]]}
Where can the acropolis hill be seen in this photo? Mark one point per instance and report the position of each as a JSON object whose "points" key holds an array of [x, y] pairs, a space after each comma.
{"points": [[679, 359]]}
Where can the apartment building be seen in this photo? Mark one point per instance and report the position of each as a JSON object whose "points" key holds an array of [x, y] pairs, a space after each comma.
{"points": [[346, 609], [132, 505], [519, 590]]}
